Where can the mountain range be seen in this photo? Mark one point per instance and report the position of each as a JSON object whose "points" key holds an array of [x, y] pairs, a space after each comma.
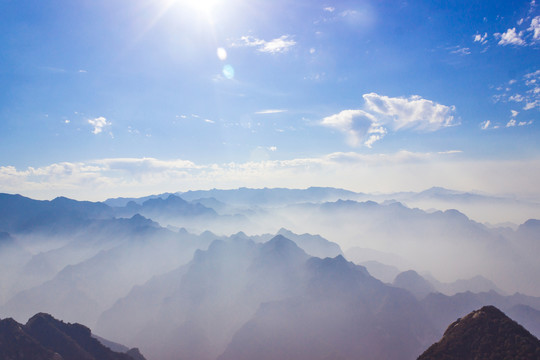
{"points": [[200, 275]]}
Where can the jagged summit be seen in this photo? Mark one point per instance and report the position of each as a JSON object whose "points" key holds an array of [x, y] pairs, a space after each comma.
{"points": [[46, 338], [484, 334]]}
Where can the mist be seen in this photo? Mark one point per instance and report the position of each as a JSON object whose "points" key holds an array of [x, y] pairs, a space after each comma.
{"points": [[210, 274]]}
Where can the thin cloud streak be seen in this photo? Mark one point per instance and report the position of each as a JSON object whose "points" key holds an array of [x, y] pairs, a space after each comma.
{"points": [[400, 171]]}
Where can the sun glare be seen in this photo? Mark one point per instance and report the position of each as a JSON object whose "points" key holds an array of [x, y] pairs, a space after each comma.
{"points": [[202, 6]]}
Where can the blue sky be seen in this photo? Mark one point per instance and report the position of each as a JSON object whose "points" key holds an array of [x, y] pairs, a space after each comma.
{"points": [[106, 98]]}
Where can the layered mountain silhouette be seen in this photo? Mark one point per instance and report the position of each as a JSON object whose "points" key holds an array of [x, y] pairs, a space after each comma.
{"points": [[484, 334], [183, 292], [246, 300], [45, 338]]}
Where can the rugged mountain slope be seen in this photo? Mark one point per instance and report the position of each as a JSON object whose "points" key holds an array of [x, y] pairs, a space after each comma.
{"points": [[342, 312], [81, 292], [21, 214], [16, 344], [484, 334], [45, 338], [443, 309], [206, 308]]}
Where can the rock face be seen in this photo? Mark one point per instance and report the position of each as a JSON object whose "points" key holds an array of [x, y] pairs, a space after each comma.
{"points": [[45, 338], [484, 334]]}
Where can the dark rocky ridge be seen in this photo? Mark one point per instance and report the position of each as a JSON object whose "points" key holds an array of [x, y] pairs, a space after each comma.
{"points": [[46, 338], [484, 334]]}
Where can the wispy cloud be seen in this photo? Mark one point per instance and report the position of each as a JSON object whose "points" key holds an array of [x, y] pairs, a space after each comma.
{"points": [[270, 111], [461, 51], [482, 39], [526, 91], [399, 171], [382, 114], [99, 124], [277, 45]]}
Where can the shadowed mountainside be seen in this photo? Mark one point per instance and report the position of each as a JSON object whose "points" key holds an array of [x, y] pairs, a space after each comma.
{"points": [[484, 334], [45, 338]]}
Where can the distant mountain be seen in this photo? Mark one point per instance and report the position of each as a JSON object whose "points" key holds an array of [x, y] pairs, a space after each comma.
{"points": [[426, 241], [414, 283], [61, 215], [45, 338], [80, 292], [484, 334], [272, 196], [443, 309], [476, 284], [207, 308], [314, 245], [342, 313], [383, 272]]}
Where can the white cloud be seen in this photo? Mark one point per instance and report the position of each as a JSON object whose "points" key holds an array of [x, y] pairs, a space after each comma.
{"points": [[270, 111], [99, 123], [480, 38], [278, 45], [383, 114], [514, 113], [329, 9], [485, 125], [359, 126], [511, 123], [510, 37], [272, 148], [523, 123], [531, 105], [410, 113], [516, 98], [535, 28], [209, 121]]}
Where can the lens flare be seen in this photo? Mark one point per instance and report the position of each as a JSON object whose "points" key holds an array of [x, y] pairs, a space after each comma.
{"points": [[228, 71]]}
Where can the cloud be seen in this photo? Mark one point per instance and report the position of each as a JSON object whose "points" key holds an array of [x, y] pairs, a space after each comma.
{"points": [[510, 37], [278, 45], [461, 51], [329, 9], [535, 28], [482, 39], [382, 114], [410, 113], [399, 171], [511, 123], [98, 123], [485, 125], [270, 111], [360, 126]]}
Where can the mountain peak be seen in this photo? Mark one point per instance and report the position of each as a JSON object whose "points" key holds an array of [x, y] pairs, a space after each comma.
{"points": [[486, 333]]}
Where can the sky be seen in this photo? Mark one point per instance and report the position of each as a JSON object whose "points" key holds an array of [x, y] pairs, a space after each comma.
{"points": [[102, 98]]}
